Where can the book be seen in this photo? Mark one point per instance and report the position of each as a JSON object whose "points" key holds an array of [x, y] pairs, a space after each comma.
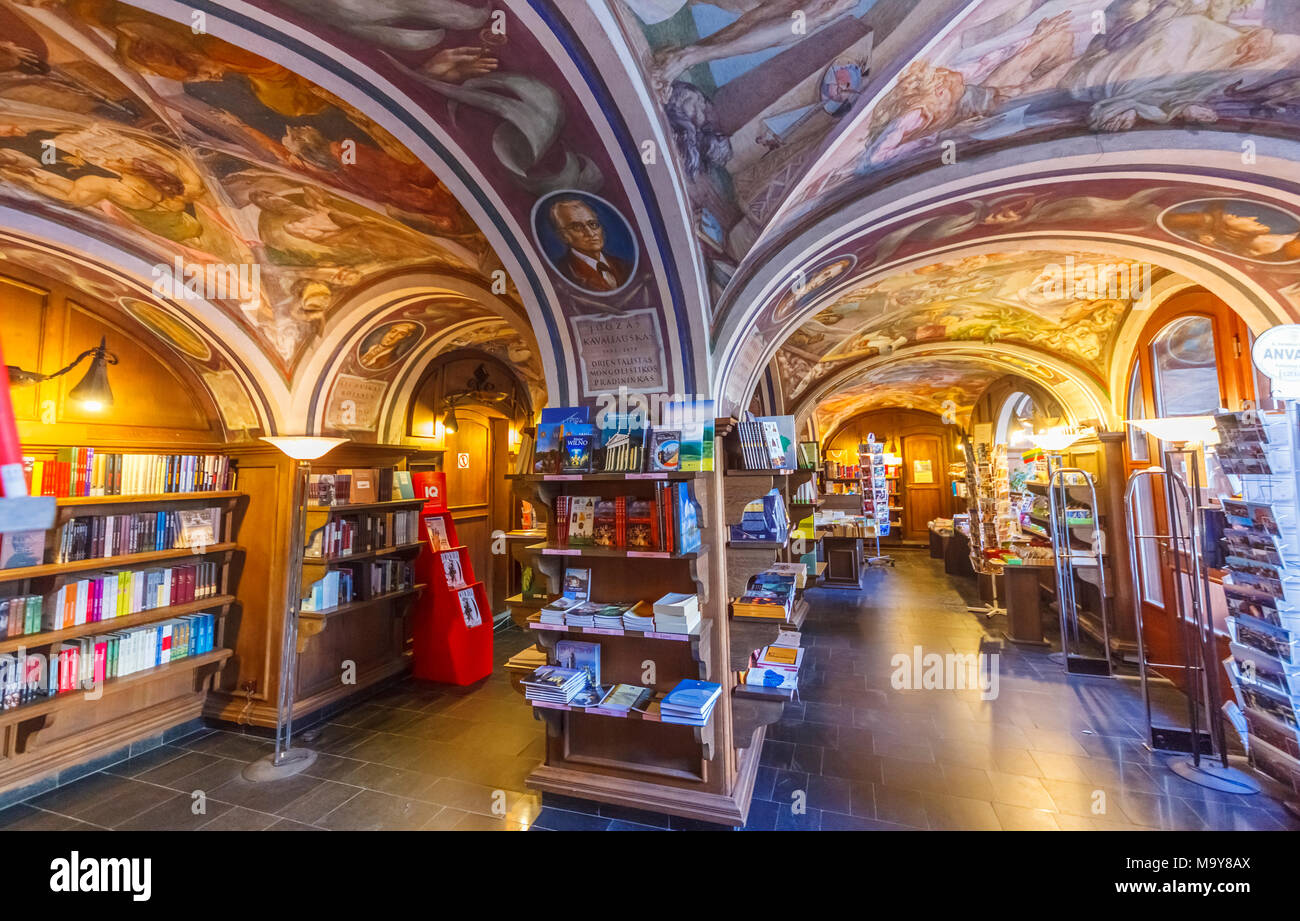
{"points": [[557, 422], [405, 487], [690, 702], [437, 528], [665, 450], [624, 697], [580, 656], [198, 526], [22, 548], [451, 568], [577, 584], [606, 523], [578, 451], [553, 684], [582, 520], [469, 607]]}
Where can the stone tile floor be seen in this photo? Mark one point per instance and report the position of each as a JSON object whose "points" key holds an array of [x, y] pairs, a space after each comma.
{"points": [[858, 753]]}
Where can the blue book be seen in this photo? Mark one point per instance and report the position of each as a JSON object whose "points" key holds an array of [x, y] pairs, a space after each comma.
{"points": [[556, 422], [691, 695]]}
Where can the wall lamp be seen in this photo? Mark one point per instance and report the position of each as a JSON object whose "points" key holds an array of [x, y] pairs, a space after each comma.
{"points": [[92, 392]]}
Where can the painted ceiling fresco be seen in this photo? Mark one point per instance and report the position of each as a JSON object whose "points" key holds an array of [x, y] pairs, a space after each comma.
{"points": [[1011, 72], [947, 387], [184, 147], [1065, 305], [750, 91]]}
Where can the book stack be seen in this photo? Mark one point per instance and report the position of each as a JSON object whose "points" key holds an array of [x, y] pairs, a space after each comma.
{"points": [[775, 666], [761, 445], [553, 684], [690, 703], [769, 596], [554, 613], [677, 612], [91, 472], [639, 618]]}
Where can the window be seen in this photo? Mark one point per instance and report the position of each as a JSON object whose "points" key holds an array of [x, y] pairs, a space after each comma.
{"points": [[1138, 448], [1184, 370]]}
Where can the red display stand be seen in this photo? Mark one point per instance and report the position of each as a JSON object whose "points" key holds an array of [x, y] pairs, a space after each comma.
{"points": [[447, 648]]}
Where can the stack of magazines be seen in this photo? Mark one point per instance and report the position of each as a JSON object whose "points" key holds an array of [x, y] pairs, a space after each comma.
{"points": [[552, 684]]}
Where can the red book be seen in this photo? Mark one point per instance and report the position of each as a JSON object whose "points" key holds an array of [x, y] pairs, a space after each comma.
{"points": [[620, 521], [101, 661]]}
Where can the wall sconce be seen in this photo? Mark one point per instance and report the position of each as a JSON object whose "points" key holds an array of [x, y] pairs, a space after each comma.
{"points": [[513, 439], [92, 392]]}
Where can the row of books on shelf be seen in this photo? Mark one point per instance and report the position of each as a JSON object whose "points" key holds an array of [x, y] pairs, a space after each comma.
{"points": [[92, 472], [767, 442], [358, 581], [675, 613], [668, 521], [571, 439], [106, 596], [359, 485], [577, 685], [770, 594], [363, 532], [93, 537], [89, 661], [776, 665]]}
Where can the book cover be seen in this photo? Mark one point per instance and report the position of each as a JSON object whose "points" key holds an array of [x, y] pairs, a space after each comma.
{"points": [[606, 526], [451, 568], [437, 528], [582, 520], [22, 548], [578, 451], [665, 449], [577, 583], [581, 656], [469, 607]]}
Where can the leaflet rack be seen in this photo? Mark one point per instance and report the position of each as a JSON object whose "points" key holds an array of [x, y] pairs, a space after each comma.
{"points": [[1071, 553]]}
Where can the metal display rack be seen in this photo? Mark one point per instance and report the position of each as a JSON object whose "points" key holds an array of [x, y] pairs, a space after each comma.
{"points": [[1067, 558]]}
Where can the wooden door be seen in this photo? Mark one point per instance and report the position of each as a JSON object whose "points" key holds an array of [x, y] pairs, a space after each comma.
{"points": [[922, 500]]}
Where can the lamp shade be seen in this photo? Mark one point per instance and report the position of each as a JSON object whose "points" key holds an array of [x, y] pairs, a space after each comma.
{"points": [[304, 447], [1057, 438], [1185, 429], [449, 424], [93, 392]]}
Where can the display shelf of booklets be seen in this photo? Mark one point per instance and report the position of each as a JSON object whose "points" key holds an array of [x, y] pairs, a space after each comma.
{"points": [[630, 755], [1262, 589], [803, 499], [114, 628], [455, 643]]}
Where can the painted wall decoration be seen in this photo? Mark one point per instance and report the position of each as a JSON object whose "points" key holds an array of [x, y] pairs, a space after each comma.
{"points": [[1013, 72], [1237, 227], [586, 241], [388, 344]]}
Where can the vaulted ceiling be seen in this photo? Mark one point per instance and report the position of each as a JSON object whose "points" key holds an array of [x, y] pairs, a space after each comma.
{"points": [[843, 186]]}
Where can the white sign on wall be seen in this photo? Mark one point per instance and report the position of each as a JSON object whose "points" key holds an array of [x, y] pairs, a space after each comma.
{"points": [[1276, 353]]}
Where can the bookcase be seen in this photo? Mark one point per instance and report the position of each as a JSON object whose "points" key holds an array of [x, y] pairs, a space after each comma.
{"points": [[704, 773], [371, 631], [47, 734]]}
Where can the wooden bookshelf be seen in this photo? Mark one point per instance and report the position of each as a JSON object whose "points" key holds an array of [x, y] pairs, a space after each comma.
{"points": [[374, 633], [46, 736], [643, 763]]}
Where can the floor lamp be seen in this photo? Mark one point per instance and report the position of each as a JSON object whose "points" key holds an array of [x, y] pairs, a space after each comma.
{"points": [[1186, 437], [286, 761]]}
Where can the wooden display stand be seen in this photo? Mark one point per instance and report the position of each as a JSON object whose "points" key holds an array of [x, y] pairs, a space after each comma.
{"points": [[704, 773], [39, 739], [373, 633]]}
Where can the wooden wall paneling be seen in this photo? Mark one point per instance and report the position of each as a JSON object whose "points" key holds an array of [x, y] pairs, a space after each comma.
{"points": [[24, 323]]}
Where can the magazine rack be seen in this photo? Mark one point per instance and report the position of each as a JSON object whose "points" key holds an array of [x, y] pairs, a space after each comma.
{"points": [[449, 646]]}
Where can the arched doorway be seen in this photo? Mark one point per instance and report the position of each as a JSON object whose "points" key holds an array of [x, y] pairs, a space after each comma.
{"points": [[1192, 358]]}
